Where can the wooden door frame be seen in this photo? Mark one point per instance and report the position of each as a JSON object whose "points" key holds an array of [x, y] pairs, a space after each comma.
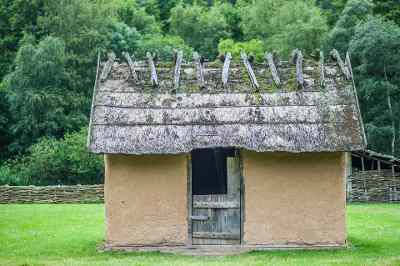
{"points": [[189, 197]]}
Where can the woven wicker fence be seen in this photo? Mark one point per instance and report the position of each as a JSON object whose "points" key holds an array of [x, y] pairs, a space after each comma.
{"points": [[52, 194], [373, 186]]}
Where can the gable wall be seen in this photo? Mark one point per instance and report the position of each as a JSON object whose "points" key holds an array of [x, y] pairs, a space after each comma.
{"points": [[146, 199], [294, 199]]}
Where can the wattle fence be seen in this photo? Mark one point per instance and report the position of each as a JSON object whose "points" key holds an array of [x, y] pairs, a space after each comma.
{"points": [[373, 186], [367, 186], [52, 194]]}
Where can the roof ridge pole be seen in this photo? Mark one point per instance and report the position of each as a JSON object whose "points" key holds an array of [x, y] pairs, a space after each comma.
{"points": [[177, 71], [107, 67], [250, 71], [335, 55], [297, 58], [321, 65], [350, 69], [271, 64], [225, 69], [154, 80], [131, 65], [199, 69]]}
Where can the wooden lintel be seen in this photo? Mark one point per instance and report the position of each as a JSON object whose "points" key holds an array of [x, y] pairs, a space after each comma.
{"points": [[131, 65], [154, 80], [249, 69], [107, 67], [199, 69], [225, 69], [270, 60], [177, 71]]}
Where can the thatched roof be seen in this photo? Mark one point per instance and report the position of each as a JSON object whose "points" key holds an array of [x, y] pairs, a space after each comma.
{"points": [[149, 107]]}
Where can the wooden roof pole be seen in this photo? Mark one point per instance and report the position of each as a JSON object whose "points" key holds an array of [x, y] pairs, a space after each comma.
{"points": [[297, 58], [336, 56], [107, 67], [225, 69], [250, 71], [271, 64], [131, 65], [177, 70], [154, 80], [198, 61]]}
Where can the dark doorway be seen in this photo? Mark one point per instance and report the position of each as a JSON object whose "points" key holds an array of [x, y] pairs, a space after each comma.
{"points": [[209, 170]]}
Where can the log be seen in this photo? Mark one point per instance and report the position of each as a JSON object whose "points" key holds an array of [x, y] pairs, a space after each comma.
{"points": [[199, 69], [321, 65], [177, 71], [250, 71], [225, 69], [270, 60], [107, 67], [131, 65], [154, 80], [297, 58], [336, 56]]}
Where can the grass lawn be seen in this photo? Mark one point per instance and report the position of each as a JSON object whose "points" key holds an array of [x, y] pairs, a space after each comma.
{"points": [[68, 235]]}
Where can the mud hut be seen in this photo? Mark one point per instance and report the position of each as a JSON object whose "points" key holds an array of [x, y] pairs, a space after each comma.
{"points": [[225, 153]]}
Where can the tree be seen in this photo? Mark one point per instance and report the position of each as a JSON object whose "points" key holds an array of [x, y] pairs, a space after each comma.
{"points": [[354, 13], [163, 46], [199, 27], [253, 47], [390, 9], [375, 50], [135, 16], [284, 25], [84, 26], [124, 38], [16, 17], [40, 103], [54, 162], [331, 9]]}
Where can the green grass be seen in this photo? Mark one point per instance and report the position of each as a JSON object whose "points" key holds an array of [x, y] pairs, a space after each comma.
{"points": [[68, 235]]}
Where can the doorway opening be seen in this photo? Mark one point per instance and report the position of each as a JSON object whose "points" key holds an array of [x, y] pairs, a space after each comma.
{"points": [[209, 170], [215, 209]]}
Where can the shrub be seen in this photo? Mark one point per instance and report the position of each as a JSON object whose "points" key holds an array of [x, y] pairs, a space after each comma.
{"points": [[55, 162]]}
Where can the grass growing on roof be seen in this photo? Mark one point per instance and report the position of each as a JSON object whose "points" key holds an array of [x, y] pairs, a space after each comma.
{"points": [[67, 234]]}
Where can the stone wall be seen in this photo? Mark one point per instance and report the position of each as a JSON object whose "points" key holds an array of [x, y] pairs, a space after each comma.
{"points": [[52, 194], [373, 186]]}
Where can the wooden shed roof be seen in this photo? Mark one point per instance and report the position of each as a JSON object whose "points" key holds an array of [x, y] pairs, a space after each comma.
{"points": [[149, 107]]}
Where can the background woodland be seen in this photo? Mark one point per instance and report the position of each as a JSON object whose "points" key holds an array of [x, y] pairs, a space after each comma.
{"points": [[49, 51]]}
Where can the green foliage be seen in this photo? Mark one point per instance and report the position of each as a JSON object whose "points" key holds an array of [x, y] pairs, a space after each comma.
{"points": [[5, 118], [39, 101], [83, 25], [331, 9], [16, 17], [123, 38], [163, 46], [375, 50], [389, 9], [135, 16], [51, 162], [253, 47], [354, 12], [284, 25], [199, 27]]}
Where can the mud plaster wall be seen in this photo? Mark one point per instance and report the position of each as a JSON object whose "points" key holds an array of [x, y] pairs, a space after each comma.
{"points": [[146, 199], [294, 198]]}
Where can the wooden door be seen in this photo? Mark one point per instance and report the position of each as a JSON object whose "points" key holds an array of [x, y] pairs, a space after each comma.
{"points": [[216, 218]]}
